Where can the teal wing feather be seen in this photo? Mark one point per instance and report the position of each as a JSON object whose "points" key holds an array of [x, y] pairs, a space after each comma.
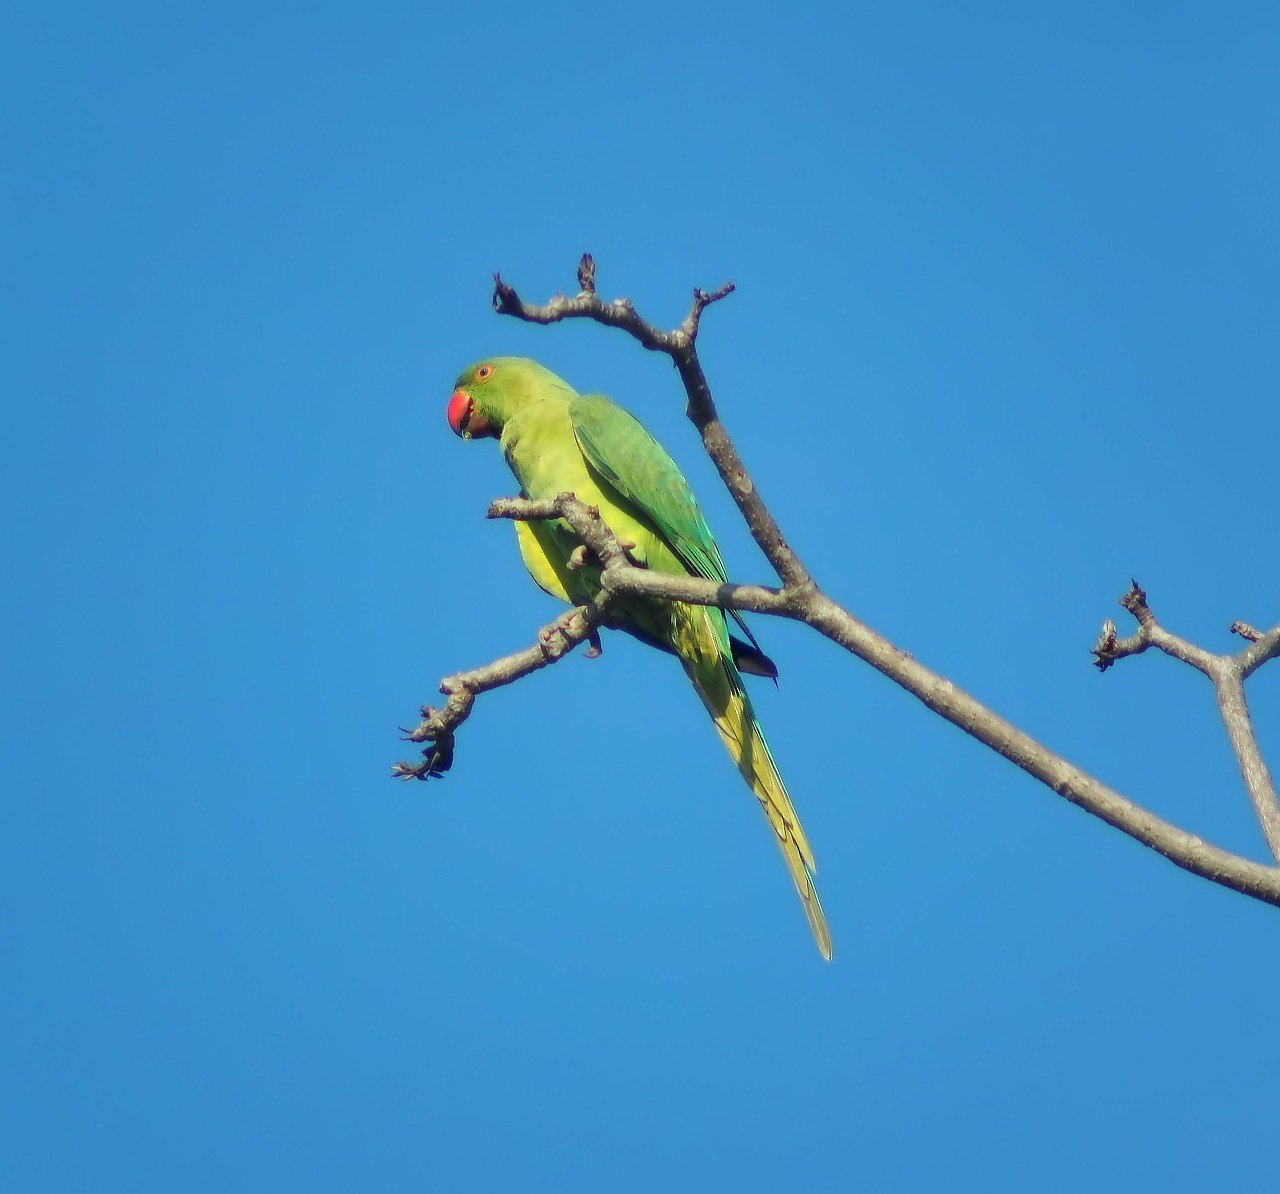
{"points": [[617, 447]]}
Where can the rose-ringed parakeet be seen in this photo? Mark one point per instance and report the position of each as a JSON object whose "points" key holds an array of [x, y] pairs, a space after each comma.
{"points": [[556, 440]]}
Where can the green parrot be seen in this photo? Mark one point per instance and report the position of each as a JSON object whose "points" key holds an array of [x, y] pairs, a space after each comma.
{"points": [[556, 440]]}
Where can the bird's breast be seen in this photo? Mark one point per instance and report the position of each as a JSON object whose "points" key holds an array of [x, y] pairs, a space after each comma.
{"points": [[545, 458]]}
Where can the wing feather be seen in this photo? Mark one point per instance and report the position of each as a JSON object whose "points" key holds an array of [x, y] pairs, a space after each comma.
{"points": [[626, 457]]}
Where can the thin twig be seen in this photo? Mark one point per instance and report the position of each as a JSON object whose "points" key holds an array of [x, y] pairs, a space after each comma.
{"points": [[1227, 673], [1253, 657], [1150, 633], [438, 726]]}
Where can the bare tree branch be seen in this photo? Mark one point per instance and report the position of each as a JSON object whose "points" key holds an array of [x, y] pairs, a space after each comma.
{"points": [[943, 697], [800, 599], [621, 577], [1227, 672], [1239, 726]]}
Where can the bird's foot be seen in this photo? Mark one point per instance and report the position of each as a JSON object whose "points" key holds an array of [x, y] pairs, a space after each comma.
{"points": [[583, 557], [558, 629], [628, 550]]}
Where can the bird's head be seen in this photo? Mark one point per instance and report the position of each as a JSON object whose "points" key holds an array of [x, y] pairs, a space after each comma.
{"points": [[486, 395]]}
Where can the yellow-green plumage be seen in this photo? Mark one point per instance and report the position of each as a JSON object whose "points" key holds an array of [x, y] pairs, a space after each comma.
{"points": [[545, 563], [555, 441]]}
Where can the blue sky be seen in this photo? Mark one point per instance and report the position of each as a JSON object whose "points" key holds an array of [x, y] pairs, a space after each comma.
{"points": [[1004, 337]]}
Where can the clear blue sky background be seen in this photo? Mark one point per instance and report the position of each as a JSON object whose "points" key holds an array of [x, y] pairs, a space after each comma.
{"points": [[1005, 336]]}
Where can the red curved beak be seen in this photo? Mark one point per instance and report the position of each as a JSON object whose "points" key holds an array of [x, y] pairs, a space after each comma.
{"points": [[459, 412], [465, 420]]}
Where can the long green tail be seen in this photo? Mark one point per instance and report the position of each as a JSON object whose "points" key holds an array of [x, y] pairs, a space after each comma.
{"points": [[720, 686]]}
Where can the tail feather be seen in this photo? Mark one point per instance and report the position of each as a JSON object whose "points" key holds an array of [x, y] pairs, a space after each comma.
{"points": [[726, 699]]}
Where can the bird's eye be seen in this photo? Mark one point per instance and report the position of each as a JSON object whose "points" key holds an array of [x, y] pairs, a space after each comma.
{"points": [[484, 373]]}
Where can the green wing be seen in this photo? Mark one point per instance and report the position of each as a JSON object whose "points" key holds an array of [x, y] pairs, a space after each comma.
{"points": [[618, 448]]}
